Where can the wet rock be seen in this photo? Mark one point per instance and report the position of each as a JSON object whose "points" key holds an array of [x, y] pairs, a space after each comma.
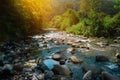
{"points": [[40, 77], [27, 69], [117, 40], [88, 75], [102, 44], [62, 70], [58, 57], [71, 50], [114, 45], [101, 58], [7, 70], [62, 61], [34, 77], [75, 45], [8, 66], [18, 67], [107, 76], [117, 58], [117, 55], [42, 67], [32, 61], [75, 60], [48, 74], [38, 60], [85, 46], [30, 64]]}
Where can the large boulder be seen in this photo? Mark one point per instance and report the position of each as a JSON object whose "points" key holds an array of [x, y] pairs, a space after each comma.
{"points": [[62, 70], [75, 60], [101, 58], [107, 76], [88, 75]]}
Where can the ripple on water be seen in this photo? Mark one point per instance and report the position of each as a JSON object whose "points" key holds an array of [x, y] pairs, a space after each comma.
{"points": [[112, 65]]}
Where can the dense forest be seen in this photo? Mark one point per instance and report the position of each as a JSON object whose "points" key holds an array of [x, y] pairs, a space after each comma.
{"points": [[94, 18], [27, 17], [84, 17]]}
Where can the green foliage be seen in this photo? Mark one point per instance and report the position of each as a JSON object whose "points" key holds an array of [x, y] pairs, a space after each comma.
{"points": [[107, 6], [75, 29], [69, 18], [96, 23], [116, 24], [94, 18], [23, 17], [112, 25], [117, 6]]}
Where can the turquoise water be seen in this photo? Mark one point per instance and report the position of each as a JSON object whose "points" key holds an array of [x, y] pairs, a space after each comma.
{"points": [[87, 55], [50, 63]]}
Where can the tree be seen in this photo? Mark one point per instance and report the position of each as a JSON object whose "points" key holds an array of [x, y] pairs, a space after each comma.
{"points": [[69, 18], [23, 17], [84, 7], [117, 6]]}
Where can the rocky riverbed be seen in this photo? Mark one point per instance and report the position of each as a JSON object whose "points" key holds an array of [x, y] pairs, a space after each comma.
{"points": [[59, 56]]}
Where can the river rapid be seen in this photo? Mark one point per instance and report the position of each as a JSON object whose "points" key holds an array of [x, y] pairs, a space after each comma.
{"points": [[85, 48]]}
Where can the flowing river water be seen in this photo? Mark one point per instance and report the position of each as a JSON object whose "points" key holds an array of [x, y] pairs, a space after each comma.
{"points": [[86, 49]]}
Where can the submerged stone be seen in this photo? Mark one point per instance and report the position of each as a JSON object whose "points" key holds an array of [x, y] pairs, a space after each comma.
{"points": [[50, 63], [62, 70], [101, 58]]}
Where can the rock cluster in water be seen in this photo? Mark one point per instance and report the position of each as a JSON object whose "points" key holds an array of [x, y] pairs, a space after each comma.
{"points": [[42, 58]]}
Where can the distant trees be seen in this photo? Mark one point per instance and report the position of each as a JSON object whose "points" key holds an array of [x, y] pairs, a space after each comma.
{"points": [[88, 18], [96, 18], [66, 20]]}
